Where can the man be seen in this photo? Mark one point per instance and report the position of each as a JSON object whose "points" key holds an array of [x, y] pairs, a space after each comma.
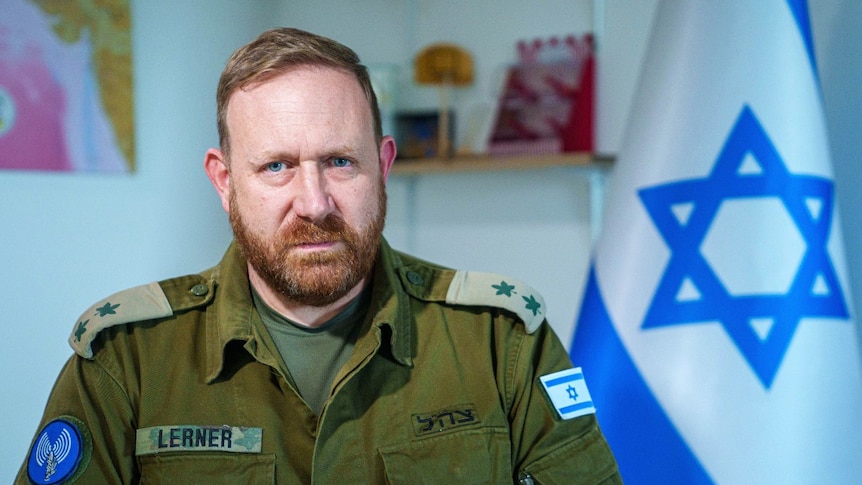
{"points": [[315, 353]]}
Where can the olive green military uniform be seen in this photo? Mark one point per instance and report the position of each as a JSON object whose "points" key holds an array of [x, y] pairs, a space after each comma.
{"points": [[178, 382]]}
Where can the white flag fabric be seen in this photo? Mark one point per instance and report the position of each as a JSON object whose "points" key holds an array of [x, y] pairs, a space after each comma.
{"points": [[716, 324]]}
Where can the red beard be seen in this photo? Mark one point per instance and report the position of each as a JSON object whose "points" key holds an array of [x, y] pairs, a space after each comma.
{"points": [[318, 278]]}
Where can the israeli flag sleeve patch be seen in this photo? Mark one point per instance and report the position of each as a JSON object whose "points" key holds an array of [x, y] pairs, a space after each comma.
{"points": [[60, 453], [568, 392]]}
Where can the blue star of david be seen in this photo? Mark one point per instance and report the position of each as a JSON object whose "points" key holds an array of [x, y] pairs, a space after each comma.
{"points": [[715, 303]]}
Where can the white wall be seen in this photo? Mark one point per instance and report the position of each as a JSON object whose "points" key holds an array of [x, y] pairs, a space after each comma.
{"points": [[68, 240], [837, 37]]}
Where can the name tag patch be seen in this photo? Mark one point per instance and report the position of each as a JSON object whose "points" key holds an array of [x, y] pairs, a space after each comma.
{"points": [[445, 419], [568, 392], [232, 439]]}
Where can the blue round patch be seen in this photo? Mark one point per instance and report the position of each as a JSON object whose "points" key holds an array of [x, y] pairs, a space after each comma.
{"points": [[57, 452]]}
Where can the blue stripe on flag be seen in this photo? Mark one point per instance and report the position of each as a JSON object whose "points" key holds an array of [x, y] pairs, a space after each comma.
{"points": [[564, 379], [576, 407], [647, 446], [799, 8]]}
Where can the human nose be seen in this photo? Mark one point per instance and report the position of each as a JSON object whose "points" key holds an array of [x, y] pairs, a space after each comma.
{"points": [[313, 201]]}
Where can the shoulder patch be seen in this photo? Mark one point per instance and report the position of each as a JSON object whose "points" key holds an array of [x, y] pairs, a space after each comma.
{"points": [[475, 288], [568, 392], [61, 452], [144, 302]]}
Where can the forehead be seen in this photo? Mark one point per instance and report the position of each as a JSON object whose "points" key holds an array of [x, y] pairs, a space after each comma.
{"points": [[302, 92]]}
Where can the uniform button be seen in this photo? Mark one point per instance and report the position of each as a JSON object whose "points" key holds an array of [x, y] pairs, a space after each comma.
{"points": [[200, 290], [415, 278]]}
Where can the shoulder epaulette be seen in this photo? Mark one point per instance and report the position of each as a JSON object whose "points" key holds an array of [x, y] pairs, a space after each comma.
{"points": [[476, 288], [435, 283], [141, 303]]}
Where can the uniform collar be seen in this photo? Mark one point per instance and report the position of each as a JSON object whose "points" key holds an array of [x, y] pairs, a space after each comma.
{"points": [[390, 305], [230, 317], [233, 317]]}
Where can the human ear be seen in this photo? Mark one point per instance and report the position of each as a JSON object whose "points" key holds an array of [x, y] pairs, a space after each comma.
{"points": [[388, 151], [218, 172]]}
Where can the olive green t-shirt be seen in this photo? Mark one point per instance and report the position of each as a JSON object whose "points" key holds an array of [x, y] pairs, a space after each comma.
{"points": [[313, 356]]}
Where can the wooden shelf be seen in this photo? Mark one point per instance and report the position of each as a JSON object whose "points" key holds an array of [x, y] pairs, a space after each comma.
{"points": [[593, 164], [488, 163]]}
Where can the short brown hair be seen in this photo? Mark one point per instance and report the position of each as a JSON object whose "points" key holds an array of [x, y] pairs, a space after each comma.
{"points": [[277, 50]]}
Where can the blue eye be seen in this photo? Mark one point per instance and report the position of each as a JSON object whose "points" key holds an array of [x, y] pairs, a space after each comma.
{"points": [[275, 166], [341, 162]]}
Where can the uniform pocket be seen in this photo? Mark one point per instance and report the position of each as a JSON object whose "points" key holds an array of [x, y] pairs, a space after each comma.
{"points": [[479, 455], [209, 468]]}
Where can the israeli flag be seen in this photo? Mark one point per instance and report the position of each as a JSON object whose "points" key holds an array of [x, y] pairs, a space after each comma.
{"points": [[716, 325], [567, 389]]}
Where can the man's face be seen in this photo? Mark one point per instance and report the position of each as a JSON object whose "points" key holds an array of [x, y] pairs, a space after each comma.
{"points": [[306, 193]]}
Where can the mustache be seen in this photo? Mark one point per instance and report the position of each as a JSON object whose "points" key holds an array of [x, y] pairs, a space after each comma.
{"points": [[301, 231]]}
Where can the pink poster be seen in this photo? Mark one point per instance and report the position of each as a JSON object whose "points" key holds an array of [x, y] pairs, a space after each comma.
{"points": [[66, 86]]}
